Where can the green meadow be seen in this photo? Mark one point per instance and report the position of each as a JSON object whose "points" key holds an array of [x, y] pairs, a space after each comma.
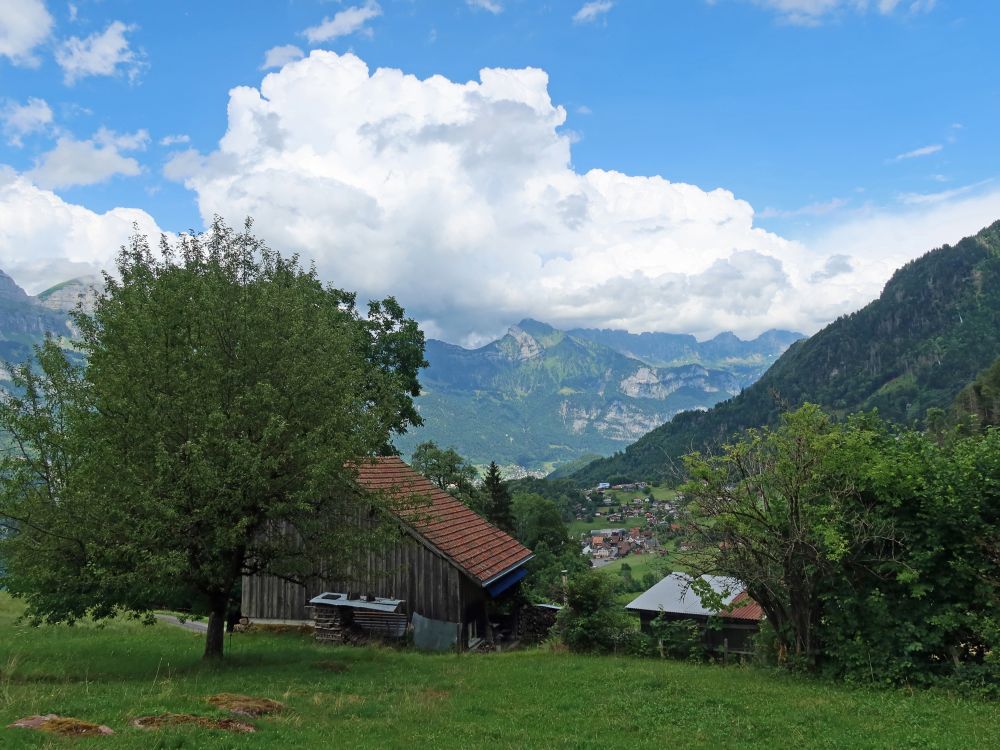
{"points": [[386, 698]]}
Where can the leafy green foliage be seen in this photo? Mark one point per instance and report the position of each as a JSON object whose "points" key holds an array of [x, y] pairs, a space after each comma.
{"points": [[873, 550], [449, 471], [564, 493], [226, 396], [678, 639], [538, 522], [980, 400], [935, 326], [592, 620]]}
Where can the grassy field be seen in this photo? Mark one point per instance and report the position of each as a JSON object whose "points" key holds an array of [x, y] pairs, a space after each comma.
{"points": [[382, 698], [623, 496], [640, 564]]}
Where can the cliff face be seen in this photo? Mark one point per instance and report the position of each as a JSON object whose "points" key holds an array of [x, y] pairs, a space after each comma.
{"points": [[23, 319], [79, 292]]}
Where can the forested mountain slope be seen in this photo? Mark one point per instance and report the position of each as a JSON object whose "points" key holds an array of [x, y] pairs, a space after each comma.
{"points": [[934, 328]]}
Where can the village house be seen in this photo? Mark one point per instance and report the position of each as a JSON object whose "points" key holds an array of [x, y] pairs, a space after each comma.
{"points": [[447, 565], [673, 599]]}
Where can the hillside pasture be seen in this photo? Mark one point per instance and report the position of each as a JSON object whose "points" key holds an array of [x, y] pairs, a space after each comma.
{"points": [[385, 698]]}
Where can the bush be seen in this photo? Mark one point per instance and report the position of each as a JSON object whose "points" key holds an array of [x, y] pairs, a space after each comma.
{"points": [[592, 621], [679, 639]]}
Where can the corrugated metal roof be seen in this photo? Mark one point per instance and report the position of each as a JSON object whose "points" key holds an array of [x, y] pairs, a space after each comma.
{"points": [[673, 595], [336, 599], [465, 537]]}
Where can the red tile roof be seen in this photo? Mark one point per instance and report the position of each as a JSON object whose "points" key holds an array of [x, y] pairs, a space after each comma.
{"points": [[744, 608], [466, 538]]}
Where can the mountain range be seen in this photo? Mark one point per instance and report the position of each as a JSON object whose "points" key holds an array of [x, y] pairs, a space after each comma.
{"points": [[932, 331], [24, 320], [538, 396]]}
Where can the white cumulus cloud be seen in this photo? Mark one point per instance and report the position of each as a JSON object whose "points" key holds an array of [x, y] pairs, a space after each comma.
{"points": [[20, 120], [103, 53], [44, 239], [461, 199], [72, 162], [344, 22], [24, 24]]}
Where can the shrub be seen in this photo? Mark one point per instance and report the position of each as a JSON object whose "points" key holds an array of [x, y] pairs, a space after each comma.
{"points": [[592, 621], [679, 639]]}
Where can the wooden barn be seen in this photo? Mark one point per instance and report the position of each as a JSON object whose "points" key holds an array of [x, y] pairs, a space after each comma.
{"points": [[673, 599], [447, 566]]}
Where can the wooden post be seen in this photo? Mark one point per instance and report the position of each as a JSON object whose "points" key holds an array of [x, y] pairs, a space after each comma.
{"points": [[725, 651]]}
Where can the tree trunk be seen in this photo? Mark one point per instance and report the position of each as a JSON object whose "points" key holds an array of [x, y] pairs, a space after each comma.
{"points": [[215, 638]]}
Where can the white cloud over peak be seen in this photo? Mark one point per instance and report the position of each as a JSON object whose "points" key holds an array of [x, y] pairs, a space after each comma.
{"points": [[592, 11], [344, 22], [44, 239], [72, 162], [461, 200], [103, 53], [20, 120], [277, 57], [24, 24]]}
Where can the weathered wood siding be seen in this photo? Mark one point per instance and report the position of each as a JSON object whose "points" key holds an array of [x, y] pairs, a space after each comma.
{"points": [[408, 570]]}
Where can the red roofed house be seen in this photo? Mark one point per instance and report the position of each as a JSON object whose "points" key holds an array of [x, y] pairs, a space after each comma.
{"points": [[447, 565], [673, 599]]}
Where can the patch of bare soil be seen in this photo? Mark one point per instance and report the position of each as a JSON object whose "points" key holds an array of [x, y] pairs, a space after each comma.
{"points": [[245, 705], [61, 725], [173, 720]]}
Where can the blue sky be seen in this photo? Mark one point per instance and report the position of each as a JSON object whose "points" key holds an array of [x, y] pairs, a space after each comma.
{"points": [[842, 137]]}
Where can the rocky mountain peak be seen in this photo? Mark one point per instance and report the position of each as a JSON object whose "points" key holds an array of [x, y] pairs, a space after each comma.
{"points": [[65, 297], [525, 346], [10, 291]]}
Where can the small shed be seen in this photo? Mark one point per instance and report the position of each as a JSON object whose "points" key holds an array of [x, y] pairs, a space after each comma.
{"points": [[673, 598], [447, 565]]}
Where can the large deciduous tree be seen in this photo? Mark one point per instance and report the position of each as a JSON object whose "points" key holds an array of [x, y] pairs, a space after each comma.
{"points": [[449, 471], [871, 548], [781, 510], [226, 397]]}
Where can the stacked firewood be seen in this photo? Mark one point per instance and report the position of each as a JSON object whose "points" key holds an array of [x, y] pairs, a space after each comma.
{"points": [[333, 623]]}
